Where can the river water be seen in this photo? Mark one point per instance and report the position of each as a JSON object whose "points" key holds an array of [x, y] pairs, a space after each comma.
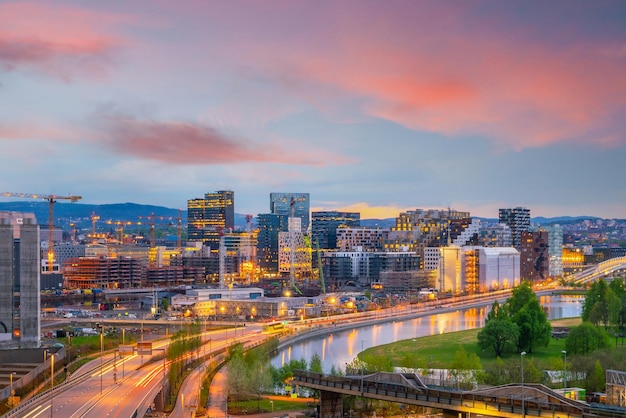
{"points": [[341, 347]]}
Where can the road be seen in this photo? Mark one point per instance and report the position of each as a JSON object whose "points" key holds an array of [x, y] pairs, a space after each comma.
{"points": [[119, 388]]}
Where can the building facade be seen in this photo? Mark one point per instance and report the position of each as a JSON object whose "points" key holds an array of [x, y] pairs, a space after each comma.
{"points": [[518, 220], [20, 270], [299, 203], [211, 217], [363, 238], [534, 256], [324, 226], [269, 225]]}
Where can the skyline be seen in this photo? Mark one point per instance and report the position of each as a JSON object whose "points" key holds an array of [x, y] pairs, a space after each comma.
{"points": [[370, 107]]}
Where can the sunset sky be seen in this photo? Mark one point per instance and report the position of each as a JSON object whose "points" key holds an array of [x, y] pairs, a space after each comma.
{"points": [[370, 106]]}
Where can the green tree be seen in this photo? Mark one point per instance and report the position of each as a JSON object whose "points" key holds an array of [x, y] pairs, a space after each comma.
{"points": [[497, 334], [585, 339], [596, 297], [315, 365], [463, 368], [525, 311]]}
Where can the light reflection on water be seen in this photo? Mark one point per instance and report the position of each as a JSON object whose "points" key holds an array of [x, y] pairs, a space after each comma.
{"points": [[339, 348]]}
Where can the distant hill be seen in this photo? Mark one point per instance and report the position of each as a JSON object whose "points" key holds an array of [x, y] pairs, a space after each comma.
{"points": [[79, 214]]}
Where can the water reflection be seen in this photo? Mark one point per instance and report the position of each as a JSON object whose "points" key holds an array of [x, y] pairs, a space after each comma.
{"points": [[339, 348]]}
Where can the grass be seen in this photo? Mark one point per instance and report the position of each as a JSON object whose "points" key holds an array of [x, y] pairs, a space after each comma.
{"points": [[438, 351], [281, 403]]}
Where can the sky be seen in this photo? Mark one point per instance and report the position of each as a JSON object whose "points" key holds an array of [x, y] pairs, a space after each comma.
{"points": [[370, 106]]}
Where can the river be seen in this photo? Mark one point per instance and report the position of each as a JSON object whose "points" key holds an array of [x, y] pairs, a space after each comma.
{"points": [[341, 347]]}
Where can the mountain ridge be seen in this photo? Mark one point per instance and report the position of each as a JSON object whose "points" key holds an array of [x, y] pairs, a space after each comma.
{"points": [[80, 213]]}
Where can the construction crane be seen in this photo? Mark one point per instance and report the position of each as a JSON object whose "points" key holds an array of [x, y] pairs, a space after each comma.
{"points": [[51, 201], [320, 267], [152, 218], [94, 218]]}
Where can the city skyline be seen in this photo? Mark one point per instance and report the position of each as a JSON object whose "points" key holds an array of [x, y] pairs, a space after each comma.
{"points": [[371, 107]]}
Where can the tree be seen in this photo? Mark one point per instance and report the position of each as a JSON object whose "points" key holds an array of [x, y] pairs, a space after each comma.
{"points": [[463, 368], [497, 334], [596, 296], [585, 339], [315, 365], [525, 311]]}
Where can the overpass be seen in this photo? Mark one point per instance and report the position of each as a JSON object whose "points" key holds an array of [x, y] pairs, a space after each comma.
{"points": [[601, 270], [507, 401]]}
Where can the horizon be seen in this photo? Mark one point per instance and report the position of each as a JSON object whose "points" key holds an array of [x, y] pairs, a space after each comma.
{"points": [[496, 216]]}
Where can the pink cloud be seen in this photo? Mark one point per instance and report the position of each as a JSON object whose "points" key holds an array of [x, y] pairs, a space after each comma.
{"points": [[193, 143], [451, 70], [55, 39]]}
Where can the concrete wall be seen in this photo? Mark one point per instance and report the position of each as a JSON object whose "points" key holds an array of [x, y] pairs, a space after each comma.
{"points": [[6, 276], [30, 261]]}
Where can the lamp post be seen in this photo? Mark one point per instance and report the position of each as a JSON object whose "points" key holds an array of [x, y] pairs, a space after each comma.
{"points": [[272, 403], [11, 393], [522, 354], [415, 360], [11, 384], [51, 380], [564, 370], [101, 354]]}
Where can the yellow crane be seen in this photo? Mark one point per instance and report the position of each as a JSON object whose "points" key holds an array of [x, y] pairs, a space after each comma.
{"points": [[52, 198]]}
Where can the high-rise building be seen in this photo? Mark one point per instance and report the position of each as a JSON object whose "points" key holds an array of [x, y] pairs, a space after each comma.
{"points": [[20, 261], [365, 238], [555, 249], [421, 228], [534, 256], [211, 217], [324, 226], [285, 203], [269, 225], [518, 219]]}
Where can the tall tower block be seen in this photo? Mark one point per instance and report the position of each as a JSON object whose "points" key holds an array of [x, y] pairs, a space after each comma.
{"points": [[30, 301], [6, 279]]}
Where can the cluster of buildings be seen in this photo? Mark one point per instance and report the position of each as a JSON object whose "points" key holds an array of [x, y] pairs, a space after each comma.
{"points": [[289, 248]]}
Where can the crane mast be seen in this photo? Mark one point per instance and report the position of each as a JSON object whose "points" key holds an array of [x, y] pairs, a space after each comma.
{"points": [[52, 199]]}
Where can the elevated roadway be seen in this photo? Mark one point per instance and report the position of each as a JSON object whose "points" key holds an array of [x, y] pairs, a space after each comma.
{"points": [[509, 401], [601, 270]]}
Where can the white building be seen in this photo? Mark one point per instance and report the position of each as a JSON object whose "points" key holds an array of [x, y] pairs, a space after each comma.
{"points": [[490, 268]]}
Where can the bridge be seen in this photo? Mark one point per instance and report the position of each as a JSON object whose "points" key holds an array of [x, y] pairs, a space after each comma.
{"points": [[601, 270], [507, 401]]}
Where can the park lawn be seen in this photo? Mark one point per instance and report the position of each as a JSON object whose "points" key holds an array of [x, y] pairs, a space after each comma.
{"points": [[281, 403], [439, 351]]}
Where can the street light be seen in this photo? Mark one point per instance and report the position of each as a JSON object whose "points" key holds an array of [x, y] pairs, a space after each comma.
{"points": [[101, 354], [564, 370], [522, 354], [272, 403], [51, 380], [11, 393], [415, 362]]}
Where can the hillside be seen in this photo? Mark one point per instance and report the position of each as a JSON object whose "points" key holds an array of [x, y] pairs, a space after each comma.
{"points": [[79, 214]]}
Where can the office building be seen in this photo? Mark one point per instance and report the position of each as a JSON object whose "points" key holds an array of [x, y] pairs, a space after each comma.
{"points": [[324, 226], [518, 219], [534, 256], [555, 249], [286, 203], [294, 251], [363, 238], [20, 261], [211, 217], [421, 228], [489, 268], [269, 225]]}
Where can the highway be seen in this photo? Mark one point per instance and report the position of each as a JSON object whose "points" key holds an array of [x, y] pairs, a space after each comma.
{"points": [[122, 388]]}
